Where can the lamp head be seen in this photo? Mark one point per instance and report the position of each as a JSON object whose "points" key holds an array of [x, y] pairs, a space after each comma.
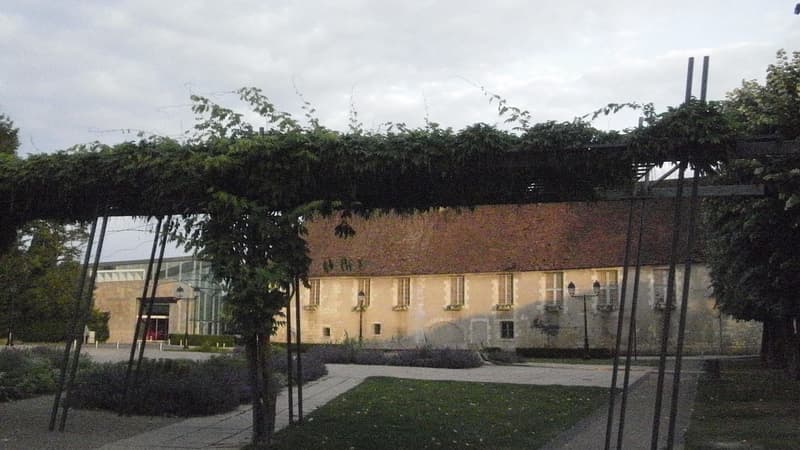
{"points": [[179, 292], [571, 289], [361, 298], [596, 287]]}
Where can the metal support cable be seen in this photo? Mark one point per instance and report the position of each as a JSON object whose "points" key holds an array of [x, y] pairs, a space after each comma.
{"points": [[620, 319], [68, 346], [81, 325], [631, 326]]}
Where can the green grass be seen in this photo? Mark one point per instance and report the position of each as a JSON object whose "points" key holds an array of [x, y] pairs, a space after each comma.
{"points": [[414, 414], [748, 406]]}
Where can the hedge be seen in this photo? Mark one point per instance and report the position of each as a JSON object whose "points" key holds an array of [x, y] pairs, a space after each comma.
{"points": [[203, 340]]}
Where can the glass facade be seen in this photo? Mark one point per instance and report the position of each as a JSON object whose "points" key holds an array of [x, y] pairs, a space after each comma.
{"points": [[192, 272]]}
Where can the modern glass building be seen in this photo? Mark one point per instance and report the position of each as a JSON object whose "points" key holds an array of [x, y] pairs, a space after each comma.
{"points": [[206, 311]]}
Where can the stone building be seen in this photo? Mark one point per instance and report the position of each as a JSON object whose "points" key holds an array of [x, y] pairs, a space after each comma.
{"points": [[497, 276]]}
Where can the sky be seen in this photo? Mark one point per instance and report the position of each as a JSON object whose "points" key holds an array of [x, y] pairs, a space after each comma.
{"points": [[73, 72]]}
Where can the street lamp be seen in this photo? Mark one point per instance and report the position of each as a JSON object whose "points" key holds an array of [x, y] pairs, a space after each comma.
{"points": [[595, 293], [361, 299]]}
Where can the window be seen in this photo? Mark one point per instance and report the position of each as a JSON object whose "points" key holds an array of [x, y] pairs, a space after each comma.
{"points": [[554, 289], [660, 283], [403, 292], [313, 296], [506, 329], [363, 286], [457, 290], [376, 329], [505, 294], [609, 288], [326, 332]]}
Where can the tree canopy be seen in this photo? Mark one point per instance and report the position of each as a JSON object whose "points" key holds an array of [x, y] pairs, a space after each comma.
{"points": [[752, 243]]}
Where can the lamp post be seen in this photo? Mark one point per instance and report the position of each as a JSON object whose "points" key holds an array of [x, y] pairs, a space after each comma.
{"points": [[361, 299], [595, 293]]}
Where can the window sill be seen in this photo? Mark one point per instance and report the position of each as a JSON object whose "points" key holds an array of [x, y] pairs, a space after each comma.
{"points": [[360, 308], [504, 307], [400, 308], [310, 307], [454, 307]]}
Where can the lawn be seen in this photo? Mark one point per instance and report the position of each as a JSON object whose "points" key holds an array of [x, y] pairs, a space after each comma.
{"points": [[413, 414], [748, 407]]}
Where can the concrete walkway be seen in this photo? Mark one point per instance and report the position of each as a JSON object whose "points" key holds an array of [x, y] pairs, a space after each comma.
{"points": [[232, 430], [590, 432]]}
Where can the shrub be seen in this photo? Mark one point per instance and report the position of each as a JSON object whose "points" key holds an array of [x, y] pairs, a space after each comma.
{"points": [[420, 357], [25, 373], [165, 387], [534, 352], [499, 355], [313, 365]]}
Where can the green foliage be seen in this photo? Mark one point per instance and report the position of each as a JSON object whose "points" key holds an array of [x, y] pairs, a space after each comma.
{"points": [[98, 322], [751, 243], [25, 373], [352, 353], [37, 281], [771, 108], [170, 387], [9, 140], [397, 413]]}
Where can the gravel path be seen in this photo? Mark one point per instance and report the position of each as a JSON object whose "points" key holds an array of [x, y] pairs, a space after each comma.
{"points": [[24, 423]]}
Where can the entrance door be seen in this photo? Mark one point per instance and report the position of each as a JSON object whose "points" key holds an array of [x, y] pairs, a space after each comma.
{"points": [[479, 332], [159, 329]]}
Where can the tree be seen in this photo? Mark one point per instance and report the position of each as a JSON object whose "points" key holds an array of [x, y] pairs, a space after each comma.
{"points": [[9, 141], [257, 252], [37, 281], [752, 243]]}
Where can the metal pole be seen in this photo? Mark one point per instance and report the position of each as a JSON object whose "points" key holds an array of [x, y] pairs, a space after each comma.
{"points": [[662, 363], [585, 331], [186, 326], [299, 356], [164, 233], [687, 274], [289, 363], [87, 312], [68, 347], [620, 319], [136, 330], [360, 321], [631, 327]]}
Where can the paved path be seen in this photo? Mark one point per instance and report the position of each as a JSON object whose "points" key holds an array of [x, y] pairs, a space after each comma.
{"points": [[232, 430], [590, 432]]}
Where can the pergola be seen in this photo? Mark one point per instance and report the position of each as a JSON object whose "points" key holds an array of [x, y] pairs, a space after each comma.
{"points": [[360, 173]]}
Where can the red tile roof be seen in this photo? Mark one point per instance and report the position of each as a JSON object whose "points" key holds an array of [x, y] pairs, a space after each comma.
{"points": [[532, 237]]}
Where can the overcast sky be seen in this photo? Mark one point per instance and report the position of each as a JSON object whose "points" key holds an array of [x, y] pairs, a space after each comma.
{"points": [[75, 72]]}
